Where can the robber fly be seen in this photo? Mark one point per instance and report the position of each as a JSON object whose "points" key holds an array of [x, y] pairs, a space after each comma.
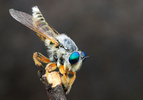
{"points": [[63, 54]]}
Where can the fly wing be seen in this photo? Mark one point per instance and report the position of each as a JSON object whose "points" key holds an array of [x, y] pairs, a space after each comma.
{"points": [[35, 25]]}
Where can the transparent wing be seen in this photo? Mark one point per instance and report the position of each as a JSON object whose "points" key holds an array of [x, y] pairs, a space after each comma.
{"points": [[27, 20]]}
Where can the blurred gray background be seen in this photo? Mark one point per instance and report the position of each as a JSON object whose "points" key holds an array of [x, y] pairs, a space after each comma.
{"points": [[109, 31]]}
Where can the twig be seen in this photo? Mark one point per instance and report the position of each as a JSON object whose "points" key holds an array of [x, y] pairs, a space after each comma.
{"points": [[53, 86]]}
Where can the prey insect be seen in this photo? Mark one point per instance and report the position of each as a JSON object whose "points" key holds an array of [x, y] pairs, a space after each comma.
{"points": [[63, 54]]}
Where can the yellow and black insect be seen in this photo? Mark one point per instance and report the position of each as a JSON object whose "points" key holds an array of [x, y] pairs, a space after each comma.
{"points": [[63, 54]]}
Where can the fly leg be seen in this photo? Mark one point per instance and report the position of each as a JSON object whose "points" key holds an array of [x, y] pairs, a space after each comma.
{"points": [[71, 76], [67, 77], [39, 59], [63, 77]]}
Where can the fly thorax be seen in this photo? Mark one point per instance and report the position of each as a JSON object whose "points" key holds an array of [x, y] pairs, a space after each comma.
{"points": [[67, 43]]}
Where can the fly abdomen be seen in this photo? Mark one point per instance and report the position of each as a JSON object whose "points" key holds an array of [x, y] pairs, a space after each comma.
{"points": [[39, 21]]}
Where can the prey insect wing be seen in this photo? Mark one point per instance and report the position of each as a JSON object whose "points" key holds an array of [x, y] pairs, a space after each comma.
{"points": [[28, 21]]}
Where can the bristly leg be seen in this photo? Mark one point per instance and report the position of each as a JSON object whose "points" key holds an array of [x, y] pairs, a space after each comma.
{"points": [[71, 75], [39, 59], [67, 78]]}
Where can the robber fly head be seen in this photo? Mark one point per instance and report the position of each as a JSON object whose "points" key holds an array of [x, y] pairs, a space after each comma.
{"points": [[71, 56]]}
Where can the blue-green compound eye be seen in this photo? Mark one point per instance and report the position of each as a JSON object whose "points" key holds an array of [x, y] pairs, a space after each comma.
{"points": [[74, 57]]}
